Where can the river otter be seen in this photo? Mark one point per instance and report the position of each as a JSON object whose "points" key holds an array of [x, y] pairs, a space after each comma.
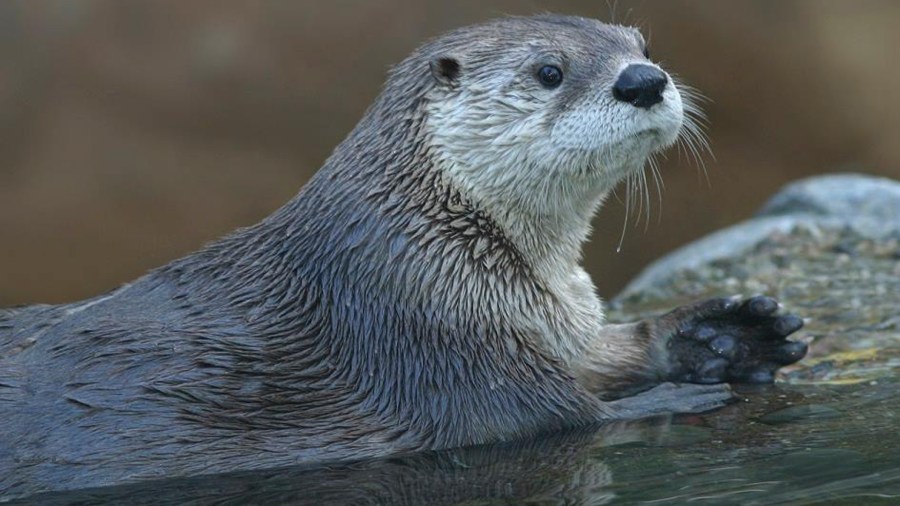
{"points": [[422, 291]]}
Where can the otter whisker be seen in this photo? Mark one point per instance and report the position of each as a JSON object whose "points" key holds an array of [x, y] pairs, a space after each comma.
{"points": [[644, 194], [627, 213], [692, 137], [657, 179]]}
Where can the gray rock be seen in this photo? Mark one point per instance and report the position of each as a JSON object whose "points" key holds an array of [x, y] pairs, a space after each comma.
{"points": [[869, 206], [843, 196]]}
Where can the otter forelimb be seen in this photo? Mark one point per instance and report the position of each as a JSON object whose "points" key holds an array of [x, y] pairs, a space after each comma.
{"points": [[712, 341]]}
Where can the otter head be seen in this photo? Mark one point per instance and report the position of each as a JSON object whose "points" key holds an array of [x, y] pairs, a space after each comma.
{"points": [[537, 119]]}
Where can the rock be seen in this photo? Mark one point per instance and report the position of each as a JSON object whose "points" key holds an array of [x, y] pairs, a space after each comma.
{"points": [[843, 196], [869, 206], [827, 248]]}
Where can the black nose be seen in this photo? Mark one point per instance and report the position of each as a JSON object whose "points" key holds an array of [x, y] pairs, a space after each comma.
{"points": [[640, 85]]}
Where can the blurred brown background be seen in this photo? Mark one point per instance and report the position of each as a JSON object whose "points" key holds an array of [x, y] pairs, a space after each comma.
{"points": [[132, 132]]}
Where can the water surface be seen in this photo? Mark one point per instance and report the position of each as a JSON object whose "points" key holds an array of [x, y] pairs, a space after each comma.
{"points": [[795, 443]]}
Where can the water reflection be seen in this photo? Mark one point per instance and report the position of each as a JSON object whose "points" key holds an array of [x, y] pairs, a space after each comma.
{"points": [[556, 469], [780, 445]]}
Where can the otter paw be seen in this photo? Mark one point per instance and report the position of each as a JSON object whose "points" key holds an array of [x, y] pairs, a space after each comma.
{"points": [[729, 339]]}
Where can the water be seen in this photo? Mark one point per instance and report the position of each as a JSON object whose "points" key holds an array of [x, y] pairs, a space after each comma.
{"points": [[790, 444], [782, 444]]}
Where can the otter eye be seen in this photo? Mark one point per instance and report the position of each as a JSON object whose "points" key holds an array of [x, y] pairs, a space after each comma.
{"points": [[646, 52], [550, 76]]}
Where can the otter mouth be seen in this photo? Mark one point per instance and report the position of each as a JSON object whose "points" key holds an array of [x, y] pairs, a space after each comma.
{"points": [[650, 132], [653, 138], [656, 138], [637, 143]]}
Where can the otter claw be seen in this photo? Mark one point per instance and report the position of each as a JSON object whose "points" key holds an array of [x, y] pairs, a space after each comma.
{"points": [[791, 352], [761, 306], [787, 325], [723, 305]]}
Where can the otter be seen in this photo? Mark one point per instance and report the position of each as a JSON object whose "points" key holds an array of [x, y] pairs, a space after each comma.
{"points": [[423, 290]]}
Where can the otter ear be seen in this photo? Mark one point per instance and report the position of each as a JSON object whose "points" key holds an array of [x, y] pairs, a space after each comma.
{"points": [[445, 70]]}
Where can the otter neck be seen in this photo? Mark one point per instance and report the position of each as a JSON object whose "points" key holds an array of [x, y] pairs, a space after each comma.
{"points": [[547, 227]]}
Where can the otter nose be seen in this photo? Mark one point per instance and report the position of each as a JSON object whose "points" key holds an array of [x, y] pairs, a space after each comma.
{"points": [[640, 85]]}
